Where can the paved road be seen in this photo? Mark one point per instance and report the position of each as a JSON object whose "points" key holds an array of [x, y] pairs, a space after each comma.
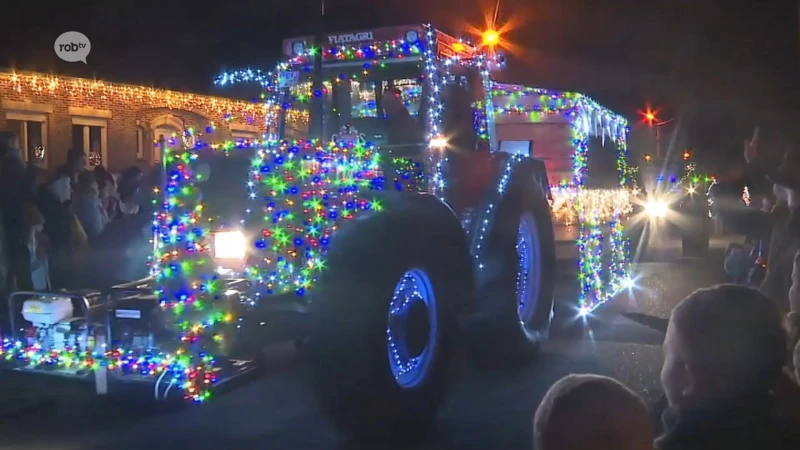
{"points": [[484, 409]]}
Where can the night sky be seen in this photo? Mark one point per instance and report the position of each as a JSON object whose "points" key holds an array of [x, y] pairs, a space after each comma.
{"points": [[720, 66]]}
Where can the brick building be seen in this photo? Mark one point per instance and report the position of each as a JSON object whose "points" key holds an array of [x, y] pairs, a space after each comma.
{"points": [[115, 124]]}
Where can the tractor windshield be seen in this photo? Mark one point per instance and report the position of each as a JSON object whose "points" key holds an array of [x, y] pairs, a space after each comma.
{"points": [[224, 191], [386, 108]]}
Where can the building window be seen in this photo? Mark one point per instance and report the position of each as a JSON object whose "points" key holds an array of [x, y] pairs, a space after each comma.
{"points": [[32, 135], [92, 139]]}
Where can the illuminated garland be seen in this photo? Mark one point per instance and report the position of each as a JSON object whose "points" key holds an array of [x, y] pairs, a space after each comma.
{"points": [[488, 213], [102, 92], [187, 284], [593, 210], [180, 367], [409, 175], [436, 83], [376, 52], [306, 192]]}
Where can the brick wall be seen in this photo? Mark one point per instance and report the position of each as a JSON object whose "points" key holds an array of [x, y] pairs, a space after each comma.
{"points": [[122, 110]]}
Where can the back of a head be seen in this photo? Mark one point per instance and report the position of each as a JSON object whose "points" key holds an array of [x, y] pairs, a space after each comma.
{"points": [[734, 336], [591, 411]]}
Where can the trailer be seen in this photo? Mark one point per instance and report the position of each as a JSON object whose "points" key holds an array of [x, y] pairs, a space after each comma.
{"points": [[404, 234]]}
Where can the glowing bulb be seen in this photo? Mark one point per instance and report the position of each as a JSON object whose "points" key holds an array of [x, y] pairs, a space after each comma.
{"points": [[491, 38], [438, 142]]}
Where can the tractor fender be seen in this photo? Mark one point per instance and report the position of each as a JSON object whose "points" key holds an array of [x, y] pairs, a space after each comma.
{"points": [[516, 179]]}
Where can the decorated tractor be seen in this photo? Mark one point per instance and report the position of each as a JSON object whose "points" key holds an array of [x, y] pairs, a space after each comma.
{"points": [[403, 234]]}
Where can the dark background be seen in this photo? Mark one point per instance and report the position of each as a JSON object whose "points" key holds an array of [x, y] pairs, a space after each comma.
{"points": [[718, 67]]}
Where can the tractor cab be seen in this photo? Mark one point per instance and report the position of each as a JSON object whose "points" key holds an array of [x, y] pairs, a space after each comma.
{"points": [[375, 89]]}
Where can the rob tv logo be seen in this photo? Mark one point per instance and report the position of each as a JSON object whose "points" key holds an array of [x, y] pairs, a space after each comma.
{"points": [[72, 46]]}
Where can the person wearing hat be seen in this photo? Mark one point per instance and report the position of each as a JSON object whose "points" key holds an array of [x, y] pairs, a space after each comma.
{"points": [[785, 236]]}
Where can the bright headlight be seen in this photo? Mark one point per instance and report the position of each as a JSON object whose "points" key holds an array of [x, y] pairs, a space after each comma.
{"points": [[656, 208], [438, 142], [230, 245]]}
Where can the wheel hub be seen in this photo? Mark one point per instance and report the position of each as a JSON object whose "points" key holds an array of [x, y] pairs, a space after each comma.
{"points": [[412, 332], [528, 268]]}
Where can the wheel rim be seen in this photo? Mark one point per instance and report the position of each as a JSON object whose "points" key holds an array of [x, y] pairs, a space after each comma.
{"points": [[529, 270], [412, 332]]}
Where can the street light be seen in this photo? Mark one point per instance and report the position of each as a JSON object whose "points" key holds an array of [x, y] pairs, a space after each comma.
{"points": [[491, 38], [652, 120]]}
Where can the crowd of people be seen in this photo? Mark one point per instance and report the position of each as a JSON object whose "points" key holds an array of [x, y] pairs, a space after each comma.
{"points": [[54, 232], [731, 373]]}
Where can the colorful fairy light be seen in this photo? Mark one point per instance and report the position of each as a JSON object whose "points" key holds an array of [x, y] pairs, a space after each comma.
{"points": [[305, 193], [301, 191], [598, 213], [409, 175]]}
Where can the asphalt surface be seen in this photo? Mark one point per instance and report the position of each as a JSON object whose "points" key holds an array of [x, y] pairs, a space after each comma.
{"points": [[488, 409]]}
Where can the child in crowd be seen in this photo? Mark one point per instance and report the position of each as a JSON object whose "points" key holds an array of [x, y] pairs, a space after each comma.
{"points": [[724, 352], [591, 412]]}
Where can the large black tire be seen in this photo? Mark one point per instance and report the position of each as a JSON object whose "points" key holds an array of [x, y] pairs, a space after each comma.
{"points": [[349, 348], [502, 333]]}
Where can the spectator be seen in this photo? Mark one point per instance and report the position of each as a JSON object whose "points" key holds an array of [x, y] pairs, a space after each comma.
{"points": [[792, 323], [17, 184], [796, 362], [785, 234], [75, 165], [39, 265], [724, 355], [108, 191], [794, 290], [591, 412], [130, 184], [54, 203], [88, 207]]}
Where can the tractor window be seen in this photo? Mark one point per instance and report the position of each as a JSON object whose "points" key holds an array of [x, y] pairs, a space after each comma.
{"points": [[363, 99], [298, 113], [410, 93], [458, 118]]}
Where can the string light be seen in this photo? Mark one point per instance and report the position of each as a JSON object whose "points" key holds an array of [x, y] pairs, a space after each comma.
{"points": [[305, 192], [597, 212], [101, 92]]}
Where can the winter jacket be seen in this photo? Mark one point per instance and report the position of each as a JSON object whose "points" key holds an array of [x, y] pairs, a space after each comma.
{"points": [[91, 214], [753, 425]]}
